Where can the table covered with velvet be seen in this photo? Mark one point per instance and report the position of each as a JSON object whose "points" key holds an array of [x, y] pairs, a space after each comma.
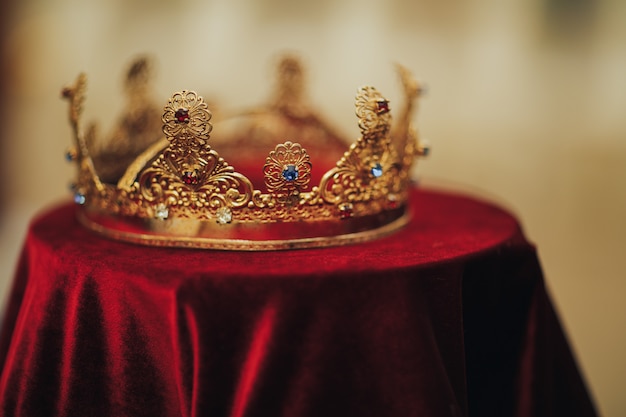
{"points": [[448, 317]]}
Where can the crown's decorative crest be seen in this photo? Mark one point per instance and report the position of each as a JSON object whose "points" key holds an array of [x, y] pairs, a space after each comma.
{"points": [[179, 191]]}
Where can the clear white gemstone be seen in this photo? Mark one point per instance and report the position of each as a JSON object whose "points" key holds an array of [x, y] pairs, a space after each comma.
{"points": [[161, 212], [223, 215]]}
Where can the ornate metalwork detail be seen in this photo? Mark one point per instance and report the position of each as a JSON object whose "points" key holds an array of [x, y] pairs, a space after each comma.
{"points": [[139, 125], [352, 179], [372, 109], [287, 169], [188, 176], [186, 120], [181, 182]]}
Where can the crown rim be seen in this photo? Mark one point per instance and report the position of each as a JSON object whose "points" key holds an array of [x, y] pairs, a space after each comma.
{"points": [[126, 230]]}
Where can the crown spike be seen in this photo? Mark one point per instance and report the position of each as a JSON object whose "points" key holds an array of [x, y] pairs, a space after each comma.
{"points": [[290, 86], [87, 172], [138, 129]]}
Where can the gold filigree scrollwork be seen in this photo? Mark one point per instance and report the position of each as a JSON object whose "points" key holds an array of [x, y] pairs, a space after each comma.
{"points": [[157, 185], [362, 172], [225, 187], [188, 174], [338, 184], [287, 170], [187, 118], [372, 109], [186, 124]]}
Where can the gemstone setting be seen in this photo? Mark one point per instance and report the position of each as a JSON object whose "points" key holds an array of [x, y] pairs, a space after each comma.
{"points": [[223, 215], [290, 173], [392, 201], [182, 115], [161, 212], [190, 177], [79, 198], [382, 107], [71, 155], [377, 170], [346, 211]]}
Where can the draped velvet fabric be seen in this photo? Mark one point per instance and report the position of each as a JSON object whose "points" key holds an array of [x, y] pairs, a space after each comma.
{"points": [[448, 317]]}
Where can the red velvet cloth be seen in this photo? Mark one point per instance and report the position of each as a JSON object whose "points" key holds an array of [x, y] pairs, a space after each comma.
{"points": [[448, 317]]}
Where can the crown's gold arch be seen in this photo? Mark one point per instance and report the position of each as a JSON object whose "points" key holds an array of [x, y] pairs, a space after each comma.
{"points": [[181, 192]]}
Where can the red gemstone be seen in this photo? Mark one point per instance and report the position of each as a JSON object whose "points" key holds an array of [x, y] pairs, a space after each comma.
{"points": [[182, 115], [190, 178], [345, 212], [383, 107]]}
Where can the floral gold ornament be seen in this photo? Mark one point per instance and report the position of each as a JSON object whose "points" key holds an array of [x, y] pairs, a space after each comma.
{"points": [[179, 191], [287, 170]]}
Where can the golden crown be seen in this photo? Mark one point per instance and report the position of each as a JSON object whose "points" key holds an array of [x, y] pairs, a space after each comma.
{"points": [[178, 191]]}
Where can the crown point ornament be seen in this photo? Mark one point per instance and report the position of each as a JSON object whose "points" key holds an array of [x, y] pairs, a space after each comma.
{"points": [[382, 106]]}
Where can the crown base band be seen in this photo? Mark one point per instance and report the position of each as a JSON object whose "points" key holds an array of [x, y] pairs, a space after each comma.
{"points": [[253, 237]]}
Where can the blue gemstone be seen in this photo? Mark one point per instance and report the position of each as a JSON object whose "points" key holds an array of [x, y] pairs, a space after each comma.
{"points": [[290, 173], [69, 156], [79, 198], [377, 171]]}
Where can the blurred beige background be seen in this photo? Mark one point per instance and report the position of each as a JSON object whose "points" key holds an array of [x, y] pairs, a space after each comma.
{"points": [[526, 106]]}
